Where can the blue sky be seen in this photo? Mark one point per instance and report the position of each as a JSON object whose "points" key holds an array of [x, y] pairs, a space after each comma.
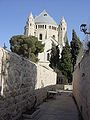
{"points": [[14, 13]]}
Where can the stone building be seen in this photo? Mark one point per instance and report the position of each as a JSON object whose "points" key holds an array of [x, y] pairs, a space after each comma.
{"points": [[46, 30]]}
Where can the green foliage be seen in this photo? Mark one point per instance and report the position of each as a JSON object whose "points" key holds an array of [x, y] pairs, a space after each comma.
{"points": [[75, 47], [65, 62], [63, 65], [28, 47], [54, 60]]}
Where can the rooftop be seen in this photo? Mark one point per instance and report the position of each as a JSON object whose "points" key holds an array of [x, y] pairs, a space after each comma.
{"points": [[45, 18]]}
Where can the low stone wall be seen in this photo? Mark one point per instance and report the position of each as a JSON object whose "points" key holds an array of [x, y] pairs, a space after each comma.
{"points": [[45, 77], [81, 86], [20, 82]]}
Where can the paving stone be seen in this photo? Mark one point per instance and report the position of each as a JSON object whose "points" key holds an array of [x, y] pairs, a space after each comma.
{"points": [[61, 108]]}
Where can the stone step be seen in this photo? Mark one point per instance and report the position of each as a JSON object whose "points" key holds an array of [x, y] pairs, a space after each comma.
{"points": [[37, 116], [27, 119], [32, 116]]}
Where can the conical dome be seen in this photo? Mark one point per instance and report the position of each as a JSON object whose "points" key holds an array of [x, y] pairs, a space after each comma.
{"points": [[45, 18]]}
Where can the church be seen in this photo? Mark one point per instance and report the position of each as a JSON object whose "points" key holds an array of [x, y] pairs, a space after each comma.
{"points": [[48, 31]]}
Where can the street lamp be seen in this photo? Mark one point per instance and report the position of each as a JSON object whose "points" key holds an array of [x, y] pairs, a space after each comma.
{"points": [[83, 28]]}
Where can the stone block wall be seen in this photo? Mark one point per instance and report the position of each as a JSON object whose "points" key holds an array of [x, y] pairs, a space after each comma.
{"points": [[45, 77], [18, 84], [81, 86]]}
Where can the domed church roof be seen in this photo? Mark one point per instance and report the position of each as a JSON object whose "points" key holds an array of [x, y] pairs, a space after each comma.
{"points": [[45, 18]]}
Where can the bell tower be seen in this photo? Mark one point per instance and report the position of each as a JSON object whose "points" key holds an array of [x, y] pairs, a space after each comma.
{"points": [[62, 30], [30, 26]]}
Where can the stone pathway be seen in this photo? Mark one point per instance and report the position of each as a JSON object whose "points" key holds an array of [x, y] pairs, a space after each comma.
{"points": [[61, 108]]}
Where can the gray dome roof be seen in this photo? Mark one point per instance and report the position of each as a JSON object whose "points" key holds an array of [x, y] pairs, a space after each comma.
{"points": [[45, 18]]}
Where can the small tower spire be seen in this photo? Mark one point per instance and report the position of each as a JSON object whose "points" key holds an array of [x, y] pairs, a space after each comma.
{"points": [[31, 15], [63, 20], [30, 26]]}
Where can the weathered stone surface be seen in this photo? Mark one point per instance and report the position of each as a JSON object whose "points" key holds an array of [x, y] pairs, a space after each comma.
{"points": [[20, 81], [81, 86]]}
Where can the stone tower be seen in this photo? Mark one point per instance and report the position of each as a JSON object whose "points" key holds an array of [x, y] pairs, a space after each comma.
{"points": [[62, 30], [29, 29]]}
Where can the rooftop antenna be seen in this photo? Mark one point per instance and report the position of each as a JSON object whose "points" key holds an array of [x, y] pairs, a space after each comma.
{"points": [[4, 46]]}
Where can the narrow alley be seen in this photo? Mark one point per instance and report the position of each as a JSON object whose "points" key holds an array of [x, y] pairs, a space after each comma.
{"points": [[62, 107]]}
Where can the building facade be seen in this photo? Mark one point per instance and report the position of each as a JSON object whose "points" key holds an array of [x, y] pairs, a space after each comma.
{"points": [[46, 30]]}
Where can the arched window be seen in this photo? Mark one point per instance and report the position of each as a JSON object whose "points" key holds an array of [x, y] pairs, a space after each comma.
{"points": [[40, 26], [49, 27], [45, 14], [64, 28], [54, 36], [48, 56], [45, 26], [40, 36]]}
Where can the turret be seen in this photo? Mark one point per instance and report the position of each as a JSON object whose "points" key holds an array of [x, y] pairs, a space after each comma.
{"points": [[62, 30], [29, 29]]}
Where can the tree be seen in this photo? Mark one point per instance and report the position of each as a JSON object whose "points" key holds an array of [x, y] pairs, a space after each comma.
{"points": [[65, 62], [54, 60], [75, 47], [27, 47]]}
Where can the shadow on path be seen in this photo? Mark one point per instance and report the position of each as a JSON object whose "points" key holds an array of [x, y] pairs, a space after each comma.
{"points": [[62, 107]]}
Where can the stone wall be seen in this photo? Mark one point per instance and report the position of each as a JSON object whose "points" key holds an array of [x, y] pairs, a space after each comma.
{"points": [[81, 86], [45, 77], [20, 82]]}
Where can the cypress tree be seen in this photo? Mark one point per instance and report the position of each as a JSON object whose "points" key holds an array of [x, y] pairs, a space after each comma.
{"points": [[75, 47], [54, 60], [65, 62]]}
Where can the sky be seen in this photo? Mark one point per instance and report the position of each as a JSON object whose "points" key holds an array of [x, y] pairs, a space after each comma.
{"points": [[14, 13]]}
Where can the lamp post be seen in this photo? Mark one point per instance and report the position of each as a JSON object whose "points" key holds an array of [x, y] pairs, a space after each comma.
{"points": [[83, 28]]}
